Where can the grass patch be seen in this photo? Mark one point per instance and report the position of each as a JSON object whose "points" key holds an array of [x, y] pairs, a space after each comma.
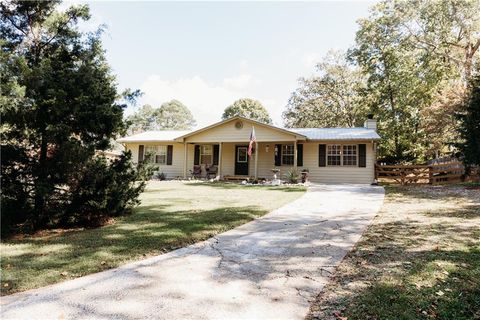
{"points": [[420, 259], [172, 215]]}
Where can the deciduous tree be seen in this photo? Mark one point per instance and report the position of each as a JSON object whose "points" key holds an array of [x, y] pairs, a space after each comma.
{"points": [[172, 115], [248, 108], [333, 98]]}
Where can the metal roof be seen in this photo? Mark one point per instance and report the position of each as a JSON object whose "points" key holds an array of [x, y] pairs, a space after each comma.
{"points": [[359, 133], [310, 133], [166, 135]]}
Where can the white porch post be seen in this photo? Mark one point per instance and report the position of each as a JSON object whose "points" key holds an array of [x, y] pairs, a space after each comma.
{"points": [[185, 151], [295, 155], [256, 159], [219, 173]]}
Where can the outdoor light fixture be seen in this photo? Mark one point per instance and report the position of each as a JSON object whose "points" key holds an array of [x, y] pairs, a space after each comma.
{"points": [[267, 147]]}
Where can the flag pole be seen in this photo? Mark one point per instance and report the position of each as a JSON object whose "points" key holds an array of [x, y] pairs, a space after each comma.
{"points": [[256, 156]]}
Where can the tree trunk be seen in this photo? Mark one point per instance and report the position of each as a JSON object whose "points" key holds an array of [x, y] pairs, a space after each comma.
{"points": [[40, 218]]}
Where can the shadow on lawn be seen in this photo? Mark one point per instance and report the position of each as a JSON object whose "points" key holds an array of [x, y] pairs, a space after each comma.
{"points": [[467, 212], [428, 192], [390, 276], [151, 230], [239, 186]]}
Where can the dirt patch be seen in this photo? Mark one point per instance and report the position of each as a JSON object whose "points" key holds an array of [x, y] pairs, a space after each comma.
{"points": [[420, 259]]}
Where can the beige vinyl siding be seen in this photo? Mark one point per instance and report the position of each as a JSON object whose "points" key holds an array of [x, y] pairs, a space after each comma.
{"points": [[227, 132], [266, 162], [338, 174], [328, 174], [171, 171]]}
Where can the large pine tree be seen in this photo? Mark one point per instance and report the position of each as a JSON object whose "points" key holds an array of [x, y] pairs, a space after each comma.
{"points": [[59, 107]]}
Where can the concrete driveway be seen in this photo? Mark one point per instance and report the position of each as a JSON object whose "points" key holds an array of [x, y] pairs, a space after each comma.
{"points": [[269, 268]]}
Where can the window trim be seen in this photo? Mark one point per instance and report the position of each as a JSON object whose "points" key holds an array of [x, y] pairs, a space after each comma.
{"points": [[158, 150], [327, 154], [246, 154], [202, 146], [341, 155], [356, 155], [282, 154]]}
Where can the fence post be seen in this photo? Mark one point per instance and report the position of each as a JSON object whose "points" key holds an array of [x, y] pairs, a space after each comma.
{"points": [[402, 176], [430, 175]]}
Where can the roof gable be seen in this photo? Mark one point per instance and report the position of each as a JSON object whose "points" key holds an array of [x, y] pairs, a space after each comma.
{"points": [[226, 130]]}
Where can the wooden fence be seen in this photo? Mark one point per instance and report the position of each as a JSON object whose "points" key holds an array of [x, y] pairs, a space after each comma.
{"points": [[447, 172]]}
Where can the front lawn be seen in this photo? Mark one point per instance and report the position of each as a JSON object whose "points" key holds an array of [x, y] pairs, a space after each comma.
{"points": [[172, 215], [420, 259]]}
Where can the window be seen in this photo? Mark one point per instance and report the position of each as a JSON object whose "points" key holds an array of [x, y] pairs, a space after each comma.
{"points": [[334, 155], [206, 154], [242, 154], [156, 154], [287, 154], [349, 153]]}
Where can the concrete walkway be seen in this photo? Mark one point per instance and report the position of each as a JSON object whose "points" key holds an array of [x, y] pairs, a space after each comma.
{"points": [[267, 269]]}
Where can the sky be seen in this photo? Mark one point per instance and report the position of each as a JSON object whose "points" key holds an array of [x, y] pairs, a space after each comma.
{"points": [[208, 54]]}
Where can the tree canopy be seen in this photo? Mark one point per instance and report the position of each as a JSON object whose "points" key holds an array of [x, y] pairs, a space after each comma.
{"points": [[414, 60], [59, 108], [172, 115], [331, 99], [248, 108]]}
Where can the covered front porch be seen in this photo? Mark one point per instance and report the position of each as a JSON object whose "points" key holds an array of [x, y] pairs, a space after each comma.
{"points": [[230, 160]]}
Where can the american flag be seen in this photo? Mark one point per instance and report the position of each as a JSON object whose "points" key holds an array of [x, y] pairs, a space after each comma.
{"points": [[253, 139]]}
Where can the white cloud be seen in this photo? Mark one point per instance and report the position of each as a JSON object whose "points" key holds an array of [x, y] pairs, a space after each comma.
{"points": [[239, 82], [243, 64], [206, 100]]}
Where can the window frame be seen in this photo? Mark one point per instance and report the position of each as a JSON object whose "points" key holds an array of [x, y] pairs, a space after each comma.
{"points": [[156, 152], [203, 147], [238, 154], [283, 154], [329, 154], [355, 155]]}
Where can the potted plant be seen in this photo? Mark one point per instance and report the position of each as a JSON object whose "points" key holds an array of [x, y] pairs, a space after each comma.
{"points": [[304, 173], [275, 180]]}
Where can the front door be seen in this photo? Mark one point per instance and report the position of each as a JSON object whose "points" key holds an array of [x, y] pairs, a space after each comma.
{"points": [[241, 161]]}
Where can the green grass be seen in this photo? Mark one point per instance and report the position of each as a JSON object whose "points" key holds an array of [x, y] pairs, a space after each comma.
{"points": [[171, 215], [420, 259]]}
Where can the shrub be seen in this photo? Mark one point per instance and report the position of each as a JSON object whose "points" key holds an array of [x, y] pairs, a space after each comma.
{"points": [[292, 176], [104, 190]]}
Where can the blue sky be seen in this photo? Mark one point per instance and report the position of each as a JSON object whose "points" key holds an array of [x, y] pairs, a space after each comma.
{"points": [[208, 54]]}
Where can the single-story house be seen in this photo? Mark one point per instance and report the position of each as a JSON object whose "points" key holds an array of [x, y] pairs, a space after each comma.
{"points": [[331, 155]]}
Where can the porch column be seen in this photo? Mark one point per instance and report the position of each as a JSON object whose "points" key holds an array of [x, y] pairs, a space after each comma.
{"points": [[185, 151], [295, 153], [219, 173], [256, 159]]}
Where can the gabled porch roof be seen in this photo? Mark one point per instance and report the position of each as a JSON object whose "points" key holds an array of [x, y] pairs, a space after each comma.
{"points": [[294, 135]]}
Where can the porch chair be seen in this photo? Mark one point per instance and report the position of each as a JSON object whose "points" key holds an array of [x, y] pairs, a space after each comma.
{"points": [[212, 172], [196, 173]]}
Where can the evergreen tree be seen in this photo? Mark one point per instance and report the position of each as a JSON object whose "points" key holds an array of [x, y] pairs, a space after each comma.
{"points": [[470, 125], [59, 106]]}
